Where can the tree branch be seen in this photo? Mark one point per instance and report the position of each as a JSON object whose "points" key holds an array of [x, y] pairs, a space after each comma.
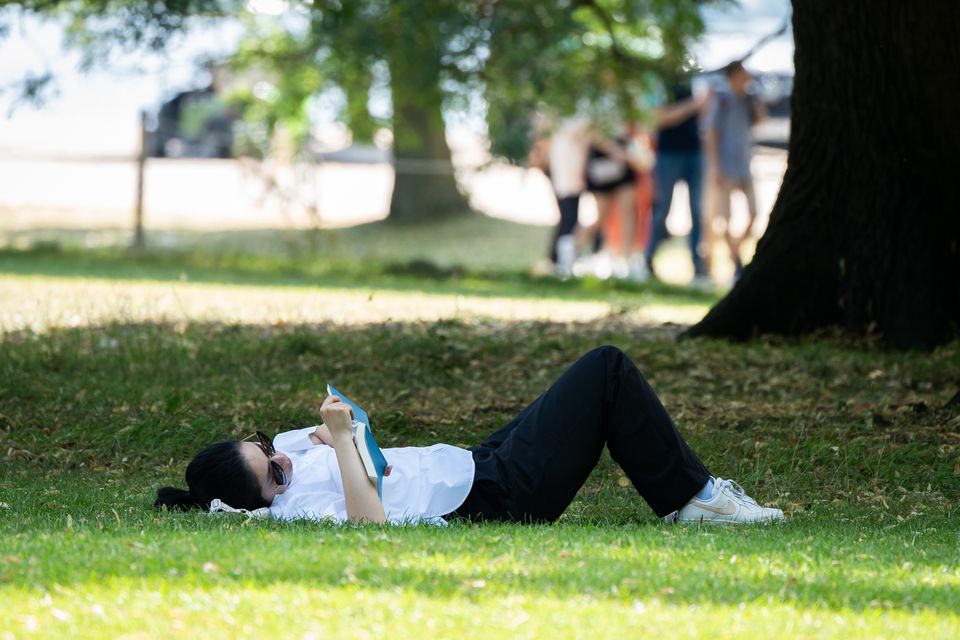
{"points": [[759, 44], [621, 55]]}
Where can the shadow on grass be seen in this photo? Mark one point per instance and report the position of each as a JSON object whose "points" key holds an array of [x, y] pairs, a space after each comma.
{"points": [[474, 240], [114, 395]]}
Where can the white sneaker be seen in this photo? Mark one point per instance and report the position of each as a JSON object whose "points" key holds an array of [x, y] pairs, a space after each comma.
{"points": [[602, 265], [638, 269], [619, 268], [597, 265], [729, 504], [702, 282], [566, 255]]}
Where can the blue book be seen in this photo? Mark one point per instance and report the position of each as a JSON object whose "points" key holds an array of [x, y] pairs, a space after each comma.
{"points": [[372, 457]]}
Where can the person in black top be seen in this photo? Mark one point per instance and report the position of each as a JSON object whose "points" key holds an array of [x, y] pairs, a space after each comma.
{"points": [[611, 178], [679, 157]]}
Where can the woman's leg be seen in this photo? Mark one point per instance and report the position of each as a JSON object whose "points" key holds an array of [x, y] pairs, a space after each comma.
{"points": [[724, 190], [627, 210], [587, 236], [569, 208], [667, 172], [531, 469]]}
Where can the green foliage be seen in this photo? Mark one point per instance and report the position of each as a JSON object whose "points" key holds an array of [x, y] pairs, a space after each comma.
{"points": [[286, 77], [600, 59], [408, 64], [97, 27], [594, 56]]}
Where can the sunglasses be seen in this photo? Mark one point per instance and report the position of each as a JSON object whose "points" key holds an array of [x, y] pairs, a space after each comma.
{"points": [[279, 476]]}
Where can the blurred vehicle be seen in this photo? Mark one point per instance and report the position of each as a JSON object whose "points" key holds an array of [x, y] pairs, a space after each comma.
{"points": [[193, 124]]}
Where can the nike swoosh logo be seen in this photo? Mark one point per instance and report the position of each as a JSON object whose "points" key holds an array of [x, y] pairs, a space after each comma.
{"points": [[727, 510]]}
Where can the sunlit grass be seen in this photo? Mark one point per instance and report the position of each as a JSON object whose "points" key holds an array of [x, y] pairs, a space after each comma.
{"points": [[302, 611], [56, 288], [44, 303], [199, 575]]}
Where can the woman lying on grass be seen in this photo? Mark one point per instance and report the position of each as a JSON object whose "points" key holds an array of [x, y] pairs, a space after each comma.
{"points": [[528, 471]]}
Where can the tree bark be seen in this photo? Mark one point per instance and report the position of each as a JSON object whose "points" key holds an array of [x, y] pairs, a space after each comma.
{"points": [[425, 186], [865, 233]]}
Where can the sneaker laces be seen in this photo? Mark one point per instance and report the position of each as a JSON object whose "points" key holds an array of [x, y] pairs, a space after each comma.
{"points": [[735, 489]]}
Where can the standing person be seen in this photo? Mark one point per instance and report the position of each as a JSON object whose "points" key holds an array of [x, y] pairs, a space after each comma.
{"points": [[679, 157], [528, 471], [640, 150], [728, 142], [567, 168], [611, 178]]}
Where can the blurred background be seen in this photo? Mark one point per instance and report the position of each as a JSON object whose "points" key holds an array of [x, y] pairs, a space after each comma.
{"points": [[273, 127]]}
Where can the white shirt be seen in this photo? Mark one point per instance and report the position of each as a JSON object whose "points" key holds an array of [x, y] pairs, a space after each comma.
{"points": [[425, 483], [569, 148]]}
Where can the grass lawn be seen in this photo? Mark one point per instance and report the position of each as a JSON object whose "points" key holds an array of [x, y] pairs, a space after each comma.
{"points": [[475, 241], [114, 371], [472, 242]]}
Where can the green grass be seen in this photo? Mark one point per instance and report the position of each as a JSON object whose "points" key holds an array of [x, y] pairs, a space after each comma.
{"points": [[416, 274], [220, 578], [474, 241], [463, 247], [104, 395]]}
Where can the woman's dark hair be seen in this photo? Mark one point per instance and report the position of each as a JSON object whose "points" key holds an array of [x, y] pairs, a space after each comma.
{"points": [[218, 471]]}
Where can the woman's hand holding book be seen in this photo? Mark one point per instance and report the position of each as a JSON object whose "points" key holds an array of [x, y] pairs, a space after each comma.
{"points": [[362, 501], [338, 416]]}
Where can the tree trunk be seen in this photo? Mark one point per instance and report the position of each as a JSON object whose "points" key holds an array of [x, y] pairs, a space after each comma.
{"points": [[425, 186], [865, 233]]}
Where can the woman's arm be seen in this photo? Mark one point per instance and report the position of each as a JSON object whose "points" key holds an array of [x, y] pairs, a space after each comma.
{"points": [[321, 435], [610, 148], [673, 114], [362, 502]]}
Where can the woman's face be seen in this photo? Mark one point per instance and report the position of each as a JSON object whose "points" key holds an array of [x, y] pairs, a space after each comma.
{"points": [[259, 464]]}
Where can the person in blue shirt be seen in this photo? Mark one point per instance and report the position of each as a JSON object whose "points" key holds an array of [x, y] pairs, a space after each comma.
{"points": [[528, 471], [729, 148]]}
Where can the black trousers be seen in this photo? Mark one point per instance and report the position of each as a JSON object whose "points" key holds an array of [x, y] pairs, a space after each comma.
{"points": [[569, 215], [531, 469]]}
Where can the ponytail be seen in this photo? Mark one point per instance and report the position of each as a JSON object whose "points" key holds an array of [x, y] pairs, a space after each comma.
{"points": [[173, 498], [218, 471]]}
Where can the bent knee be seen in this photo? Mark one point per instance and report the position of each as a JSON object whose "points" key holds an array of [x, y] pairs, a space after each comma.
{"points": [[611, 355], [607, 351]]}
